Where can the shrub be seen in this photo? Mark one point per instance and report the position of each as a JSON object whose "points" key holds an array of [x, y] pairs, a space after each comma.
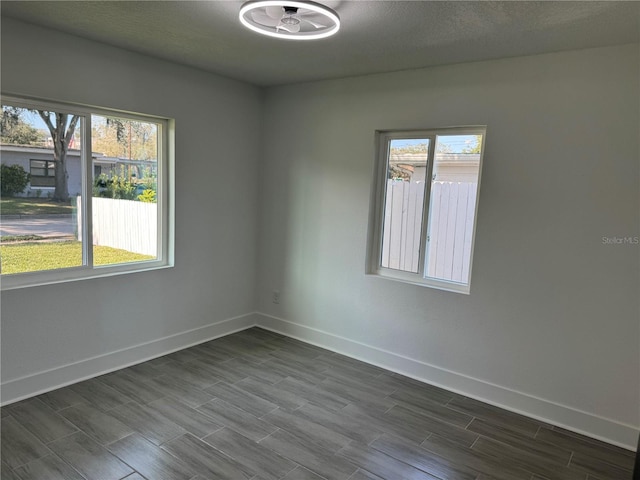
{"points": [[117, 186], [123, 188], [13, 179], [148, 196], [100, 186]]}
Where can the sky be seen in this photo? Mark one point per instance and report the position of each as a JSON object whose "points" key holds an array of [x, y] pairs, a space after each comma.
{"points": [[34, 120]]}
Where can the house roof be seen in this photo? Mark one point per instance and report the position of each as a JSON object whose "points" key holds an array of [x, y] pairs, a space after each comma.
{"points": [[7, 147], [441, 158], [376, 36]]}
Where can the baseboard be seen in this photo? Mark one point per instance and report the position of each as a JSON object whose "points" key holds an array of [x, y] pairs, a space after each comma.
{"points": [[585, 423], [578, 421], [51, 379]]}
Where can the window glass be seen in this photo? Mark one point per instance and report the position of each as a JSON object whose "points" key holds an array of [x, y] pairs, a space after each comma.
{"points": [[39, 230], [404, 202], [454, 187], [125, 185]]}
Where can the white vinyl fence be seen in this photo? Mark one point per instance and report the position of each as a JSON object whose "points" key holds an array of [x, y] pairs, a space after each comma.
{"points": [[449, 246], [124, 224], [402, 224]]}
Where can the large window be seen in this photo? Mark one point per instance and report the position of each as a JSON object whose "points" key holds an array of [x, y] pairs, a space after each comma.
{"points": [[425, 201], [97, 201]]}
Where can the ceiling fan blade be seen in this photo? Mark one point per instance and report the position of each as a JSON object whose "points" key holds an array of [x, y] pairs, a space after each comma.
{"points": [[316, 25], [275, 12], [289, 28], [265, 20]]}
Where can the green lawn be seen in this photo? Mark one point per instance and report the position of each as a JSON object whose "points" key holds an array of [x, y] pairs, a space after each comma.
{"points": [[33, 206], [32, 257]]}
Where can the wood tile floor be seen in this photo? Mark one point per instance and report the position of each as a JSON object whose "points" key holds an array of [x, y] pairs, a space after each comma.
{"points": [[257, 405]]}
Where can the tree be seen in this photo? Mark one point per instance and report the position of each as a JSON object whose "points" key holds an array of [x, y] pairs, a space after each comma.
{"points": [[118, 137], [422, 148], [14, 130], [476, 147], [62, 127]]}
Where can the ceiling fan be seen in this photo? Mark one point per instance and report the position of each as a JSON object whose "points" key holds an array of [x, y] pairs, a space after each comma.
{"points": [[300, 20]]}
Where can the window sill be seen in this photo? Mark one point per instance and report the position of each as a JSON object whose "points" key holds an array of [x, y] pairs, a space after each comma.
{"points": [[422, 282], [37, 279]]}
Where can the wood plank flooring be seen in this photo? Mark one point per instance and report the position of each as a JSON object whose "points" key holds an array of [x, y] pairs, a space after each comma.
{"points": [[259, 406]]}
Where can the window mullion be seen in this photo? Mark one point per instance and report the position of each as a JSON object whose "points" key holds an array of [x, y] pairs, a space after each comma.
{"points": [[425, 209], [87, 192]]}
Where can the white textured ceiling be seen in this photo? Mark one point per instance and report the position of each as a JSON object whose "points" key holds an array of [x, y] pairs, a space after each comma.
{"points": [[376, 36]]}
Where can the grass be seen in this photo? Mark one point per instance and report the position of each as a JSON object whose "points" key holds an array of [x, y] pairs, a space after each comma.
{"points": [[33, 206], [33, 257]]}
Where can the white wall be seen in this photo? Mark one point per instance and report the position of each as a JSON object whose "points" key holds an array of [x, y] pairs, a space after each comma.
{"points": [[551, 327], [217, 140]]}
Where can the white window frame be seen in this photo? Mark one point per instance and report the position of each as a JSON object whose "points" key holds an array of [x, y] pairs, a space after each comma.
{"points": [[378, 196], [165, 198]]}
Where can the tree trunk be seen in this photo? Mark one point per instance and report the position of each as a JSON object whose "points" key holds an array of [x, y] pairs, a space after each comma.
{"points": [[61, 193], [61, 136]]}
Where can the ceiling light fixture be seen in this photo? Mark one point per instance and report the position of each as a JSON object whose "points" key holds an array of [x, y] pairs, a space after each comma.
{"points": [[292, 20]]}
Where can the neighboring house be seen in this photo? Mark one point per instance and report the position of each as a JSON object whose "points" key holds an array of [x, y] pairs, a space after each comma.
{"points": [[38, 161], [448, 167]]}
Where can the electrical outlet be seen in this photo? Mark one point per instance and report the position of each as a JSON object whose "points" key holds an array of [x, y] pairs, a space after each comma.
{"points": [[275, 296]]}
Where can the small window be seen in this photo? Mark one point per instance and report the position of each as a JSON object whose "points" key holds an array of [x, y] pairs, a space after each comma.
{"points": [[425, 202], [42, 173], [107, 208]]}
